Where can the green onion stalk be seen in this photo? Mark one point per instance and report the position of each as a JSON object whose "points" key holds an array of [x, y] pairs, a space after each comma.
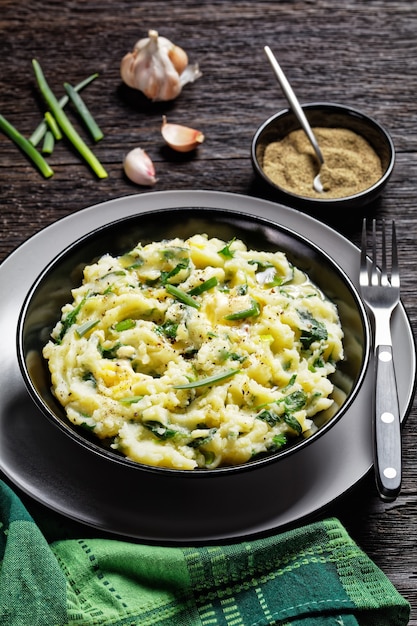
{"points": [[48, 142], [65, 124], [210, 380], [182, 296], [26, 146], [41, 129], [83, 111]]}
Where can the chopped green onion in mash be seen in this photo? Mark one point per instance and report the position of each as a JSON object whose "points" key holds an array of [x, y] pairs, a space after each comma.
{"points": [[195, 353]]}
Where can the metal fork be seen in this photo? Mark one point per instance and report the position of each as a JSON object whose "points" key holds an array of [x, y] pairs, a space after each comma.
{"points": [[381, 295]]}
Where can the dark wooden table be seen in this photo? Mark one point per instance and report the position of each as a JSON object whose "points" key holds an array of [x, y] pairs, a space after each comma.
{"points": [[360, 53]]}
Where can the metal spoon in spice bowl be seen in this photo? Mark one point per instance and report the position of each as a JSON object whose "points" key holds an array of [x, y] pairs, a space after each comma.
{"points": [[298, 112]]}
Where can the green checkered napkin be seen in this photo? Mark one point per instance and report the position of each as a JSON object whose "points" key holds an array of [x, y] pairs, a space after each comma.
{"points": [[312, 576]]}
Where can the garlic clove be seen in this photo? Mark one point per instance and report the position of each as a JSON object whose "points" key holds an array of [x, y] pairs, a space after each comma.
{"points": [[178, 58], [139, 168], [181, 138]]}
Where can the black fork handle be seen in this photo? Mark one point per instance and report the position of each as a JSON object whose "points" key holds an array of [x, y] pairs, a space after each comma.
{"points": [[387, 427]]}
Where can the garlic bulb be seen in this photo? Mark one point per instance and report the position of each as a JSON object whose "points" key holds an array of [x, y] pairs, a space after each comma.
{"points": [[181, 138], [139, 167], [158, 68]]}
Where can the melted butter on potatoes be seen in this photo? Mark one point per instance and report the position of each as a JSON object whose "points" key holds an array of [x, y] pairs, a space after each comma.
{"points": [[195, 353]]}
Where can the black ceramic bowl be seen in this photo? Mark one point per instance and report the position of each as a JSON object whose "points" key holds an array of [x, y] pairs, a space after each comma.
{"points": [[52, 289], [327, 115]]}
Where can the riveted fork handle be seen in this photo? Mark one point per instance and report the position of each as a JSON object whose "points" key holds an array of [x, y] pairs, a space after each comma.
{"points": [[387, 429]]}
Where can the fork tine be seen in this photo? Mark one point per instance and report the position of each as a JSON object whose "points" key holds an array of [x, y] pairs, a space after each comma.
{"points": [[363, 273], [375, 279], [384, 275], [395, 272]]}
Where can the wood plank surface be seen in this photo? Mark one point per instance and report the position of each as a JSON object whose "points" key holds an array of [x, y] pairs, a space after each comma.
{"points": [[362, 54]]}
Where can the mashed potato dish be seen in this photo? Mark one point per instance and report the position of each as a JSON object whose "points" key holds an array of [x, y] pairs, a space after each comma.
{"points": [[195, 353]]}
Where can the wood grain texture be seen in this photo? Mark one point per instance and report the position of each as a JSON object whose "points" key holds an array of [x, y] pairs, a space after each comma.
{"points": [[359, 53]]}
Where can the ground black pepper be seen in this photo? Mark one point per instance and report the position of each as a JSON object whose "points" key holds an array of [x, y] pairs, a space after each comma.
{"points": [[350, 163]]}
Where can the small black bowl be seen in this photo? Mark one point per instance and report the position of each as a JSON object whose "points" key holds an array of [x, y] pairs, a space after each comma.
{"points": [[322, 114], [52, 289]]}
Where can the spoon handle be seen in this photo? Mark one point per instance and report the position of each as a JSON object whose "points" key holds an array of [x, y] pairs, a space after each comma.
{"points": [[294, 104]]}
